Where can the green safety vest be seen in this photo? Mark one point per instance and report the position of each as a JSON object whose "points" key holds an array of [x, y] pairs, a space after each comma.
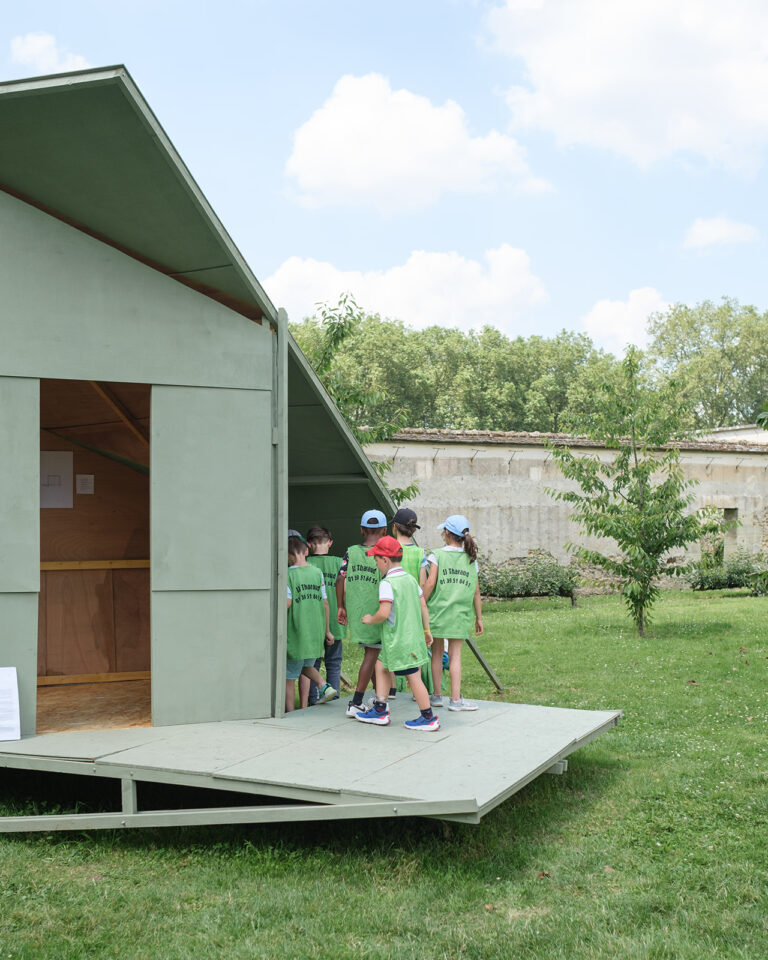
{"points": [[402, 643], [412, 557], [451, 606], [330, 567], [362, 595], [306, 614]]}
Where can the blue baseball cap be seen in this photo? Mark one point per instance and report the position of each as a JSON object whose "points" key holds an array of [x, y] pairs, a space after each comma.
{"points": [[457, 524], [373, 519]]}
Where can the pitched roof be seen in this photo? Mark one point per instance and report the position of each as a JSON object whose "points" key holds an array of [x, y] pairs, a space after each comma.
{"points": [[85, 147]]}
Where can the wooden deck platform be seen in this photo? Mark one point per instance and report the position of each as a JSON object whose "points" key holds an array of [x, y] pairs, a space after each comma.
{"points": [[317, 763]]}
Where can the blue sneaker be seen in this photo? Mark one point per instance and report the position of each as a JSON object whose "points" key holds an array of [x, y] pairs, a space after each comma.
{"points": [[372, 715], [421, 723]]}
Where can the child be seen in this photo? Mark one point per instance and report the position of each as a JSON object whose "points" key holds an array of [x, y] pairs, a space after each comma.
{"points": [[404, 526], [307, 622], [320, 541], [357, 592], [453, 597], [405, 635]]}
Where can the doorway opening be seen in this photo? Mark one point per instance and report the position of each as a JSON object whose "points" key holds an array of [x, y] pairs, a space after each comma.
{"points": [[93, 621]]}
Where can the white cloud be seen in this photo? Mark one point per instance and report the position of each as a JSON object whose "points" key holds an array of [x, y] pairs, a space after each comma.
{"points": [[369, 145], [429, 288], [614, 324], [41, 52], [719, 231], [645, 79]]}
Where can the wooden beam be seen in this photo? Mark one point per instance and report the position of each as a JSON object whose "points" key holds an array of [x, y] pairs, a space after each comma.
{"points": [[105, 392], [93, 678], [94, 565]]}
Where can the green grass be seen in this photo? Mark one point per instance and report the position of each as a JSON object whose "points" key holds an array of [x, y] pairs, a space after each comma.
{"points": [[653, 844]]}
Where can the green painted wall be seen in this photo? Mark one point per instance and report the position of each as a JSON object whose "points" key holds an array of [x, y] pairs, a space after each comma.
{"points": [[20, 538], [212, 553], [77, 309]]}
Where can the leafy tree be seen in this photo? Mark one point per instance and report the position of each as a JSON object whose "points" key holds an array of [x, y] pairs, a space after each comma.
{"points": [[718, 355], [639, 497]]}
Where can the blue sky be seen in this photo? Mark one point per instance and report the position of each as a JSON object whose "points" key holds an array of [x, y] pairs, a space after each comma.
{"points": [[533, 164]]}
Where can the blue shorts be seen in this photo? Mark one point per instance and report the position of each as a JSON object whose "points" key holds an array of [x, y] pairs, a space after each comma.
{"points": [[293, 668], [406, 673]]}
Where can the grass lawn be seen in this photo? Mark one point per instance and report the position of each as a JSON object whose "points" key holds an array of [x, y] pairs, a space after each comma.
{"points": [[653, 844]]}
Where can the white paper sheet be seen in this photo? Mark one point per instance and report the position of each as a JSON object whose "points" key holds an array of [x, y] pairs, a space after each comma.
{"points": [[84, 483], [10, 722], [56, 478]]}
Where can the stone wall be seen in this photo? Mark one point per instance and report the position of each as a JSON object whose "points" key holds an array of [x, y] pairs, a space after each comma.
{"points": [[499, 482]]}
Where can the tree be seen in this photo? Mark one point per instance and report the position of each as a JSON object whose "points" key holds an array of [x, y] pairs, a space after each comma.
{"points": [[718, 354], [639, 497], [369, 413]]}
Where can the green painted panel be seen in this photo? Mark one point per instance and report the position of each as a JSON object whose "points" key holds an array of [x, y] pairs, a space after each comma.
{"points": [[19, 484], [75, 308], [211, 654], [18, 648], [211, 489]]}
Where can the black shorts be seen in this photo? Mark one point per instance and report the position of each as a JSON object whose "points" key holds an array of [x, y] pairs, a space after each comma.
{"points": [[406, 673]]}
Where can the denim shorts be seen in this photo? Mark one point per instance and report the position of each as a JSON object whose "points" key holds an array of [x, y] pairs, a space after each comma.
{"points": [[294, 667]]}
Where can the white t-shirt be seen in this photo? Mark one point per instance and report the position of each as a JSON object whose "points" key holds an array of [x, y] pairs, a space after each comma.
{"points": [[433, 559], [387, 593], [323, 591]]}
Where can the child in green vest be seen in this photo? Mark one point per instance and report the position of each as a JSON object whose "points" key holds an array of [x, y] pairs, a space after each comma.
{"points": [[405, 636], [357, 592], [453, 600], [404, 526], [320, 541], [307, 623]]}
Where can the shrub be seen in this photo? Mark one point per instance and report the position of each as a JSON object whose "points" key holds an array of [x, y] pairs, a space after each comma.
{"points": [[737, 571], [537, 577]]}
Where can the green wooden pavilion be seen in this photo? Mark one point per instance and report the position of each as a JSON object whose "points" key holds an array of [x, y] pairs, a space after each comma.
{"points": [[161, 430]]}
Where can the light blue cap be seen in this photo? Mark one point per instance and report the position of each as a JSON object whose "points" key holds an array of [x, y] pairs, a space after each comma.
{"points": [[374, 519], [456, 524]]}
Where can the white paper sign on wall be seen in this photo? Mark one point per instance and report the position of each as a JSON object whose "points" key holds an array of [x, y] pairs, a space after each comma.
{"points": [[56, 478], [10, 721]]}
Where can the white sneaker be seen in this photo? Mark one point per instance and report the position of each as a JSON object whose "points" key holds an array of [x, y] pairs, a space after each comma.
{"points": [[353, 708], [461, 704], [435, 700]]}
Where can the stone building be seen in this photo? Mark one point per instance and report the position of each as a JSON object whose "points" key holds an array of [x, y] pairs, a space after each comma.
{"points": [[500, 480]]}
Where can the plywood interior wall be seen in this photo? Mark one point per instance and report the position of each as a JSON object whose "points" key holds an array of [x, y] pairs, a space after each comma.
{"points": [[96, 621]]}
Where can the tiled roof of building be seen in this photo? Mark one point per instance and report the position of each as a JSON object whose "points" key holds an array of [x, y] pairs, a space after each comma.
{"points": [[537, 439]]}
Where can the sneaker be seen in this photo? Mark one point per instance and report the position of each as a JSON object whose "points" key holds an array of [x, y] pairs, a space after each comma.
{"points": [[421, 723], [392, 695], [435, 700], [374, 716], [461, 704], [327, 693], [354, 708]]}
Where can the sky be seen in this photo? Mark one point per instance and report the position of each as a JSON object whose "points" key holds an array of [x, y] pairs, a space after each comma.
{"points": [[535, 165]]}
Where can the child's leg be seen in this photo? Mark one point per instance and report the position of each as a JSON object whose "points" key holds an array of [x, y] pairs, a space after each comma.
{"points": [[382, 685], [454, 652], [370, 656], [304, 685], [437, 667], [314, 675], [419, 690], [333, 655], [312, 687], [290, 695]]}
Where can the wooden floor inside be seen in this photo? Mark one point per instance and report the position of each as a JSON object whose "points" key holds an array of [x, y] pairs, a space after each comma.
{"points": [[94, 706]]}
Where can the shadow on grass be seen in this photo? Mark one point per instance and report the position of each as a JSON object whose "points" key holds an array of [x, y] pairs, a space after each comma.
{"points": [[507, 840]]}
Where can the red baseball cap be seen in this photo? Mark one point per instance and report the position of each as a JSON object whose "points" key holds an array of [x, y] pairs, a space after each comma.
{"points": [[386, 547]]}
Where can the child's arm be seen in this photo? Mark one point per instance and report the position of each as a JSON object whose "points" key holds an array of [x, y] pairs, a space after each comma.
{"points": [[425, 623], [329, 637], [385, 606], [478, 604], [429, 587], [288, 603], [341, 616]]}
